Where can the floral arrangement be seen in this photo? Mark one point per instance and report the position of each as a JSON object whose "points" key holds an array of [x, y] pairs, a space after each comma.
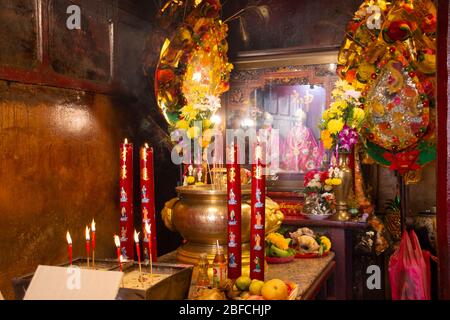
{"points": [[194, 71], [342, 122], [320, 199]]}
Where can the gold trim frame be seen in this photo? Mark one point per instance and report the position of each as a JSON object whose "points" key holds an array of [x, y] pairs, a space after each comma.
{"points": [[254, 69]]}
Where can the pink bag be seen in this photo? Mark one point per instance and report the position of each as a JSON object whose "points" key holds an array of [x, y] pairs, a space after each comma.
{"points": [[409, 272]]}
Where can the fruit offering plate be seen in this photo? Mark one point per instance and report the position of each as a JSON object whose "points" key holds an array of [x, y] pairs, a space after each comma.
{"points": [[317, 217], [277, 260], [292, 293], [311, 255]]}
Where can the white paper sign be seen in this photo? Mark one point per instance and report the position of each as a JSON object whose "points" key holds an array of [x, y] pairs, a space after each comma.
{"points": [[73, 283]]}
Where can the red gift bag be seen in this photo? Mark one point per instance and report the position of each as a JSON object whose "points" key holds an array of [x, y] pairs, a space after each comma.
{"points": [[409, 270]]}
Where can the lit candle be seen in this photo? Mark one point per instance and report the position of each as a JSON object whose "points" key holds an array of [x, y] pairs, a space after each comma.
{"points": [[93, 242], [69, 249], [138, 251], [119, 255], [148, 230], [147, 185], [88, 244], [126, 199]]}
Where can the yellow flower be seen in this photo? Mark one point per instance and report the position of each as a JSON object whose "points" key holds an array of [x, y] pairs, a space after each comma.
{"points": [[193, 132], [358, 114], [335, 125], [340, 105], [336, 181], [199, 183], [190, 180], [326, 139], [329, 182], [326, 243], [182, 124], [189, 112], [206, 123]]}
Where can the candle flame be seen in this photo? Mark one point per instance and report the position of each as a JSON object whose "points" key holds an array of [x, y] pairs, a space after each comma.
{"points": [[146, 146], [136, 236], [88, 233], [93, 225], [69, 238], [147, 228], [125, 141], [117, 241]]}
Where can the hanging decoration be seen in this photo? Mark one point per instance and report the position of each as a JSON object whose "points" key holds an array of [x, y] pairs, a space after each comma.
{"points": [[389, 56], [193, 71]]}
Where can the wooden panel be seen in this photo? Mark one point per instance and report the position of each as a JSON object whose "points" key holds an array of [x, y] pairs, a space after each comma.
{"points": [[59, 170], [85, 53], [18, 33]]}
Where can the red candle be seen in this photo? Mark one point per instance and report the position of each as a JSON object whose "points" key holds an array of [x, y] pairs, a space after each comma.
{"points": [[88, 242], [234, 213], [149, 235], [69, 248], [257, 221], [138, 248], [93, 235], [126, 199], [119, 255], [148, 196]]}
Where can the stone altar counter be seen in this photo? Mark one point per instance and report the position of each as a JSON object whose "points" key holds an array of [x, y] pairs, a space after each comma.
{"points": [[310, 275]]}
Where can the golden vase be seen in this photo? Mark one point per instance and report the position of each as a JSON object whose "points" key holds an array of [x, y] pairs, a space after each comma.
{"points": [[342, 191], [200, 215]]}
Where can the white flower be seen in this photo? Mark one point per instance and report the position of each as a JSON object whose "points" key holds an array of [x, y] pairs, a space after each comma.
{"points": [[352, 94]]}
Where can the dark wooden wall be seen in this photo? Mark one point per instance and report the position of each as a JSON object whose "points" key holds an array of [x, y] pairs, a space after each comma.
{"points": [[292, 23], [67, 99]]}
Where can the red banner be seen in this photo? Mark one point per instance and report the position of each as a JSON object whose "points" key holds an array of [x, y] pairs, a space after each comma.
{"points": [[257, 221], [126, 200], [234, 214], [148, 200]]}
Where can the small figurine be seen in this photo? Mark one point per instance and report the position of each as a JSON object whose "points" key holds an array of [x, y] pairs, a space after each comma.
{"points": [[144, 195], [232, 197], [232, 238], [123, 213], [232, 221], [258, 224], [257, 246], [123, 195], [232, 261]]}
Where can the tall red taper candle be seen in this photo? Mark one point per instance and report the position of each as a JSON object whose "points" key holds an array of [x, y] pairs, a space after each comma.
{"points": [[119, 255], [148, 196], [257, 221], [234, 213], [88, 244], [93, 242], [126, 200], [69, 248]]}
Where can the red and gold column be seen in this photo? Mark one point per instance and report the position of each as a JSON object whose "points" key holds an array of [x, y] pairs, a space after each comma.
{"points": [[257, 221], [126, 200], [148, 199], [234, 213]]}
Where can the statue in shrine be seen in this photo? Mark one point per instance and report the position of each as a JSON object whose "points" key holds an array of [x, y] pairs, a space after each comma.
{"points": [[302, 151]]}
